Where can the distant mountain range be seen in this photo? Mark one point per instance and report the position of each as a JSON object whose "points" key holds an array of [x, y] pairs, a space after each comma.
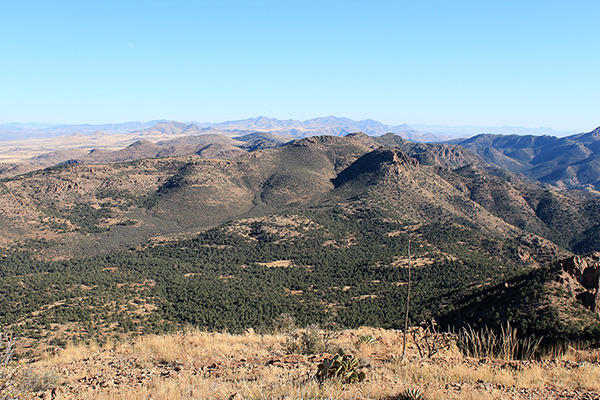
{"points": [[297, 129], [292, 129], [316, 126], [471, 130], [15, 130], [571, 162], [330, 125]]}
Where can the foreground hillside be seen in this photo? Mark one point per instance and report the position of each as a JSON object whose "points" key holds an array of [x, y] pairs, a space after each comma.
{"points": [[202, 365]]}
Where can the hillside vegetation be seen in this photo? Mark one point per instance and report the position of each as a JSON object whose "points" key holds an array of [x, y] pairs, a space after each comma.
{"points": [[318, 228]]}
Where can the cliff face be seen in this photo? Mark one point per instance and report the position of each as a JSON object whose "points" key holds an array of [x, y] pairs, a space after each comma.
{"points": [[586, 271]]}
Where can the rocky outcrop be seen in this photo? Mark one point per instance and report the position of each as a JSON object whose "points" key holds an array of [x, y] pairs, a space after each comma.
{"points": [[377, 163], [586, 270]]}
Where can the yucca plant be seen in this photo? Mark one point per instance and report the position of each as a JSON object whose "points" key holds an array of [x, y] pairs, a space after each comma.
{"points": [[342, 367]]}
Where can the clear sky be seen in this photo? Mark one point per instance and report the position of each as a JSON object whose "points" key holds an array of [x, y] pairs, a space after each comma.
{"points": [[527, 63]]}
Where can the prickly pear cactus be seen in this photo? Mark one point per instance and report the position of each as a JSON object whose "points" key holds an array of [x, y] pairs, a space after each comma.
{"points": [[341, 367]]}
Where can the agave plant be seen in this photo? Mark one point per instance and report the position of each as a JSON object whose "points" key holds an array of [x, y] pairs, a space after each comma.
{"points": [[366, 338]]}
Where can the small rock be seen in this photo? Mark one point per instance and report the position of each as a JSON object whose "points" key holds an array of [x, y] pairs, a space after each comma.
{"points": [[294, 359]]}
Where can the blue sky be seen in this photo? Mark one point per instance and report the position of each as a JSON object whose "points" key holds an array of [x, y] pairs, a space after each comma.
{"points": [[494, 63]]}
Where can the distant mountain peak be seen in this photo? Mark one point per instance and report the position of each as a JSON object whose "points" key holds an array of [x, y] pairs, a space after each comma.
{"points": [[357, 135], [141, 143]]}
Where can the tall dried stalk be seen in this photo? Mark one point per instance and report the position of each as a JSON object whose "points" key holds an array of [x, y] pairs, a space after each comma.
{"points": [[407, 304], [7, 344]]}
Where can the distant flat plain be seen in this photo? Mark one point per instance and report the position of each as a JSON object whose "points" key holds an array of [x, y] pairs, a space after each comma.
{"points": [[21, 150]]}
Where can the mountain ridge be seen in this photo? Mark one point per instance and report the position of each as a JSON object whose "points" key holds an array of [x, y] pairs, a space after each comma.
{"points": [[299, 172], [571, 162]]}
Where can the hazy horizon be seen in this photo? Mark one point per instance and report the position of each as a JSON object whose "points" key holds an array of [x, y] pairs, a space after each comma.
{"points": [[458, 63], [433, 128]]}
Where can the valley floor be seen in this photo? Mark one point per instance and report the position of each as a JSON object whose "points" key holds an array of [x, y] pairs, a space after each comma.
{"points": [[202, 365]]}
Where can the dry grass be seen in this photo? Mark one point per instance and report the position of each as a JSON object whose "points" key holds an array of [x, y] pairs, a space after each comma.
{"points": [[504, 344], [72, 352], [248, 367], [196, 346]]}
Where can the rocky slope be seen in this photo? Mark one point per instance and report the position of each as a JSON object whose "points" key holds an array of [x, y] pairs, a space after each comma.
{"points": [[585, 271], [565, 292]]}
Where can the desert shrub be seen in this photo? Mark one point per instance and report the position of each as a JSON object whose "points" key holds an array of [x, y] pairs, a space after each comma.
{"points": [[429, 340], [329, 331], [306, 341], [313, 339], [7, 344], [39, 381], [12, 382], [13, 377], [285, 324]]}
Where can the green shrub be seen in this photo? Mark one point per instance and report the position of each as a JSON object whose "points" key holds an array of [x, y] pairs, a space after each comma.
{"points": [[307, 341]]}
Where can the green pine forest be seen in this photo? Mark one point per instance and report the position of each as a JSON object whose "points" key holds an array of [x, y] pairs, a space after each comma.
{"points": [[345, 268]]}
